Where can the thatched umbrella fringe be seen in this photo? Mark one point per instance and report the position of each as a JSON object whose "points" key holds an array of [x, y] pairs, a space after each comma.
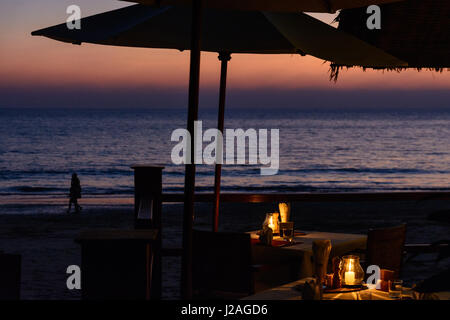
{"points": [[335, 69]]}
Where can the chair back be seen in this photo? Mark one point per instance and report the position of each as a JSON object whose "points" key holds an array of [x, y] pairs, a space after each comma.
{"points": [[221, 264], [385, 248]]}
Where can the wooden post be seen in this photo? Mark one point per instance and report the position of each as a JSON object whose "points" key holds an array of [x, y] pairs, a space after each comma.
{"points": [[189, 181], [224, 57], [147, 213]]}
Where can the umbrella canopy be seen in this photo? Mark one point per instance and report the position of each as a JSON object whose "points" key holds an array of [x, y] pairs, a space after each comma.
{"points": [[330, 6], [229, 31]]}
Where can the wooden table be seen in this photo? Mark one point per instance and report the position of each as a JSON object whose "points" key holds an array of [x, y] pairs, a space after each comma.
{"points": [[295, 262]]}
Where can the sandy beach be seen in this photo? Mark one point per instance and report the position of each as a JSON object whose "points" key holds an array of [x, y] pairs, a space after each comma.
{"points": [[43, 234]]}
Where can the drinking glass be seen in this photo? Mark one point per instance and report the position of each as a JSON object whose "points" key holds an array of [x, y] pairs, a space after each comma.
{"points": [[287, 231], [395, 289]]}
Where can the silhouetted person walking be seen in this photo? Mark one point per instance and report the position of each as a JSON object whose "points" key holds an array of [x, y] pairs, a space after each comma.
{"points": [[75, 193]]}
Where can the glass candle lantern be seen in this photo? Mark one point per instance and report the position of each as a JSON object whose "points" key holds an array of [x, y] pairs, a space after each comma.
{"points": [[268, 221], [276, 222], [272, 222], [352, 274]]}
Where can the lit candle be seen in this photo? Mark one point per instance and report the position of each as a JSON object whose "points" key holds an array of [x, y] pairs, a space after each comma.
{"points": [[349, 278], [271, 225], [350, 274]]}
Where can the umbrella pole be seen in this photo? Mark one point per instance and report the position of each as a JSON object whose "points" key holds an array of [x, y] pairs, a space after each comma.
{"points": [[224, 57], [189, 181]]}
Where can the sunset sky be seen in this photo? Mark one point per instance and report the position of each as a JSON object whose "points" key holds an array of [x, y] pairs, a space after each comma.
{"points": [[39, 72]]}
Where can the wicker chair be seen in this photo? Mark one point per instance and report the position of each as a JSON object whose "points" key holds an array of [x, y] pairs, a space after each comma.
{"points": [[385, 248]]}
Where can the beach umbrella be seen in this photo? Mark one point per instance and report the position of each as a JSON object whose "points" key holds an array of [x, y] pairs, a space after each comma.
{"points": [[165, 27]]}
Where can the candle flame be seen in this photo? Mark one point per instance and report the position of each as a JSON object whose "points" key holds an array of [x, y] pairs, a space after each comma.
{"points": [[271, 225]]}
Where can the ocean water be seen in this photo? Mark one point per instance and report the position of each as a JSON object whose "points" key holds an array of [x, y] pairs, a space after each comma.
{"points": [[319, 152]]}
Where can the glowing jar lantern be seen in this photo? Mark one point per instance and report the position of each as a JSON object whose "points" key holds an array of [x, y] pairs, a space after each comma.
{"points": [[272, 222], [271, 225], [352, 274], [276, 222]]}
